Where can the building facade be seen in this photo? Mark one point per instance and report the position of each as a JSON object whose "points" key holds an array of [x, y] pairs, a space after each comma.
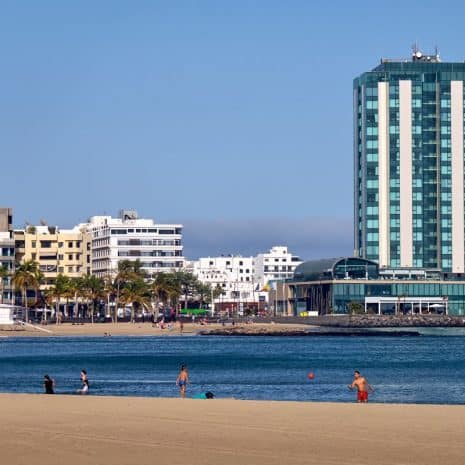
{"points": [[253, 283], [234, 275], [409, 164], [276, 264], [330, 287], [57, 251], [157, 246], [7, 254]]}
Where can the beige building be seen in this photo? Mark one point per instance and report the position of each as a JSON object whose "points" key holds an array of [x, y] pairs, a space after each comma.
{"points": [[65, 251]]}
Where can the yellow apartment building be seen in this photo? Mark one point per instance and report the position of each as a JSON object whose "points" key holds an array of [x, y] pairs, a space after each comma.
{"points": [[65, 251]]}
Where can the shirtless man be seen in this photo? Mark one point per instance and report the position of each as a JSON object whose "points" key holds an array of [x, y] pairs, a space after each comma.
{"points": [[182, 380], [362, 386]]}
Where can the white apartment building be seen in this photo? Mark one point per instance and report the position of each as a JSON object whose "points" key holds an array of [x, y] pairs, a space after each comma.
{"points": [[157, 246], [234, 274], [277, 264], [246, 280]]}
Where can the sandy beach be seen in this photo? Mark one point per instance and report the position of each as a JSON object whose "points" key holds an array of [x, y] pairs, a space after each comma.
{"points": [[53, 430], [133, 329]]}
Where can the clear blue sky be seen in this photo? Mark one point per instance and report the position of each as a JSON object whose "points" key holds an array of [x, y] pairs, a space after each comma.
{"points": [[234, 118]]}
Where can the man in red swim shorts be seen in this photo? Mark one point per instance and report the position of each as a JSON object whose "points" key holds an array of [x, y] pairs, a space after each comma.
{"points": [[362, 386]]}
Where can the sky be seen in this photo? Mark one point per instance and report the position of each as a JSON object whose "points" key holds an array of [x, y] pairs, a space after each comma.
{"points": [[232, 118]]}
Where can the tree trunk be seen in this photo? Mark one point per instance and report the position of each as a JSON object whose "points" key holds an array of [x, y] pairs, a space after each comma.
{"points": [[133, 313], [117, 303], [57, 312], [92, 312], [25, 304]]}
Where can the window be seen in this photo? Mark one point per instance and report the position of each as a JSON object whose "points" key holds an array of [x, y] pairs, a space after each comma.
{"points": [[60, 244], [70, 256], [34, 244], [70, 269], [60, 269], [70, 244], [60, 257]]}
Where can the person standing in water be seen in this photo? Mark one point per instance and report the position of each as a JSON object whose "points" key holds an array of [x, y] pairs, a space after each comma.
{"points": [[182, 381], [49, 384], [85, 383], [362, 386]]}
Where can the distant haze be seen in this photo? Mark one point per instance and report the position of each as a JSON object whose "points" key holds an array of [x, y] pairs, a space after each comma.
{"points": [[308, 237]]}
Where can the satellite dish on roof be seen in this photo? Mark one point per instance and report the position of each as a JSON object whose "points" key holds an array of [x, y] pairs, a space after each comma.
{"points": [[418, 54]]}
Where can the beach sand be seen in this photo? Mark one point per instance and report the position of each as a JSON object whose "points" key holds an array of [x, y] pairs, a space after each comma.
{"points": [[133, 329], [57, 430]]}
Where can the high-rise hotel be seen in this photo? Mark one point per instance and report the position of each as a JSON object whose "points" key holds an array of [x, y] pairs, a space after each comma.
{"points": [[409, 163]]}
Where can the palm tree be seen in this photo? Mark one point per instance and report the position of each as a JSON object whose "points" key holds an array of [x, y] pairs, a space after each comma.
{"points": [[4, 273], [93, 289], [136, 293], [203, 290], [186, 282], [26, 276], [164, 289], [57, 292], [111, 290]]}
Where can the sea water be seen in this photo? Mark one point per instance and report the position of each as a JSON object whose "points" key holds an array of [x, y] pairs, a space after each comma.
{"points": [[425, 369]]}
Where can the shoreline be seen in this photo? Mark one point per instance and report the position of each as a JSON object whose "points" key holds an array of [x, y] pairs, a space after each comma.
{"points": [[139, 329], [52, 430]]}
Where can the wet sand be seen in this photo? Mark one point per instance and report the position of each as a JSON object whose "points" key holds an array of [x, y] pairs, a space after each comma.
{"points": [[73, 430]]}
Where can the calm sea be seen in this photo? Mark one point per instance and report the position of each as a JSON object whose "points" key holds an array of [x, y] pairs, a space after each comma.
{"points": [[426, 369]]}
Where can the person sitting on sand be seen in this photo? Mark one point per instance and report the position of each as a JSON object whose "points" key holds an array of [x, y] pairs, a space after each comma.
{"points": [[49, 384], [362, 386], [182, 381]]}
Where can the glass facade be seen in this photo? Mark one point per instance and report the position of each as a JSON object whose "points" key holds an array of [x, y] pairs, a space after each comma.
{"points": [[431, 210], [333, 297]]}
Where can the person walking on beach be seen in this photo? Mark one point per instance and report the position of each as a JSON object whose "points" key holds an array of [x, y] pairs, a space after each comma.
{"points": [[182, 381], [362, 386], [49, 384]]}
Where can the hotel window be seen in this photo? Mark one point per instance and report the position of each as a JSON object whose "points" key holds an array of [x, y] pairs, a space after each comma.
{"points": [[60, 257], [70, 269], [70, 244], [60, 269], [33, 244]]}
